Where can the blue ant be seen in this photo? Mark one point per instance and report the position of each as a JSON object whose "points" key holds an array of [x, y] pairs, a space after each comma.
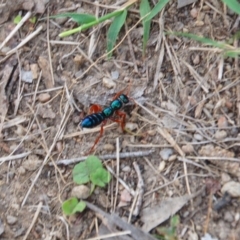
{"points": [[99, 116]]}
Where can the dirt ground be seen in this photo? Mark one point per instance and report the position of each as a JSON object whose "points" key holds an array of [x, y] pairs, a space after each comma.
{"points": [[182, 131]]}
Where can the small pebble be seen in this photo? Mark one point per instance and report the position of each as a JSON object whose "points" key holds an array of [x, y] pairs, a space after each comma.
{"points": [[21, 170], [27, 76], [108, 147], [44, 97], [115, 75], [232, 187], [19, 131], [151, 132], [237, 217], [103, 200], [194, 13], [222, 122], [196, 60], [228, 216], [109, 83], [131, 126], [161, 166], [172, 158], [59, 146], [81, 192], [199, 23], [11, 220], [198, 137], [35, 70], [165, 153], [32, 163], [126, 169], [188, 148], [225, 177], [220, 135]]}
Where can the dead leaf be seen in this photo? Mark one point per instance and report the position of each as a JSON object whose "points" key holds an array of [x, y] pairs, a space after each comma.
{"points": [[153, 216], [46, 73], [46, 112], [3, 96]]}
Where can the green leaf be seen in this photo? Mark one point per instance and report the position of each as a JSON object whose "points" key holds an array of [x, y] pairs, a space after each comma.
{"points": [[33, 20], [80, 18], [79, 207], [100, 177], [157, 8], [234, 5], [72, 206], [80, 173], [93, 163], [69, 205], [114, 30], [203, 40], [17, 19], [144, 10]]}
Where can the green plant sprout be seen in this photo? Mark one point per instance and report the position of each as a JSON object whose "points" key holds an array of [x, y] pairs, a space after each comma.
{"points": [[169, 233], [18, 19], [87, 21], [89, 171], [226, 49]]}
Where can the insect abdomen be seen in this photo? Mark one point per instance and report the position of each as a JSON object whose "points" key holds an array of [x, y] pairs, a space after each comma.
{"points": [[92, 120]]}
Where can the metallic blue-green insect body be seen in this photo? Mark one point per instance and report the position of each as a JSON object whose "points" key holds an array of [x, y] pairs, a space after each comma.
{"points": [[95, 119]]}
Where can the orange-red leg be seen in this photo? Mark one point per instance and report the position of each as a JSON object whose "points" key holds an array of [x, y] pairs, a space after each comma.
{"points": [[98, 138], [121, 121]]}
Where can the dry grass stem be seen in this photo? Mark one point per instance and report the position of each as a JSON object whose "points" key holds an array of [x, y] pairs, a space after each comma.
{"points": [[19, 25], [25, 40], [39, 207]]}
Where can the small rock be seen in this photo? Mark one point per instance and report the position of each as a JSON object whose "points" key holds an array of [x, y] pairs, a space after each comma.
{"points": [[198, 137], [222, 122], [109, 83], [115, 75], [225, 177], [199, 23], [232, 187], [81, 192], [172, 158], [19, 232], [59, 146], [237, 217], [151, 132], [194, 13], [46, 112], [196, 60], [19, 131], [125, 196], [161, 166], [44, 97], [11, 220], [35, 70], [126, 168], [108, 147], [220, 135], [21, 170], [131, 126], [228, 217], [103, 200], [27, 76], [188, 148], [165, 153], [32, 163]]}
